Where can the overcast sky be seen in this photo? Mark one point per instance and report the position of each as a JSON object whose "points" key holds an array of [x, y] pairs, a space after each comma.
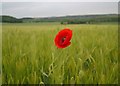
{"points": [[48, 9]]}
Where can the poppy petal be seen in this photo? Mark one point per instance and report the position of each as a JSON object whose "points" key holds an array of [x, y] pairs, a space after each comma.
{"points": [[63, 38]]}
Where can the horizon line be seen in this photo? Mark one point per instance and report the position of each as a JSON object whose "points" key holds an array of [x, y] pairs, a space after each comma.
{"points": [[61, 15]]}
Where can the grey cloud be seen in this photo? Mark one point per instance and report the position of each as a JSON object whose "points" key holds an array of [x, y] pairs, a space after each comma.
{"points": [[39, 9]]}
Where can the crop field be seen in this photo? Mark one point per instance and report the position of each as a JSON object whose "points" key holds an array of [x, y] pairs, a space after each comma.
{"points": [[29, 55]]}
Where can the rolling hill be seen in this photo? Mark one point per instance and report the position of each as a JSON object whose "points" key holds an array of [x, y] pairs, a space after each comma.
{"points": [[69, 19]]}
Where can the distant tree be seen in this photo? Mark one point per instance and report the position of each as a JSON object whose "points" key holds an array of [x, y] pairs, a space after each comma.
{"points": [[76, 22], [85, 19], [10, 19], [64, 23]]}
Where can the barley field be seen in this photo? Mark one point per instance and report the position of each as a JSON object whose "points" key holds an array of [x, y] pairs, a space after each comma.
{"points": [[0, 53], [29, 55]]}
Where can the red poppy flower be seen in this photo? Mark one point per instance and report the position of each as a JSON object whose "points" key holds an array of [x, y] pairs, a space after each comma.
{"points": [[63, 38]]}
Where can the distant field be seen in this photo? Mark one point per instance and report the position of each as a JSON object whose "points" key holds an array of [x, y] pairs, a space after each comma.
{"points": [[29, 55], [0, 53]]}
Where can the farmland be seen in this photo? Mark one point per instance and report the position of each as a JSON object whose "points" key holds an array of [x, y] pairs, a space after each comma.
{"points": [[29, 55]]}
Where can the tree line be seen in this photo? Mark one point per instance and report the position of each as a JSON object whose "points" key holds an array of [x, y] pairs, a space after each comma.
{"points": [[87, 19]]}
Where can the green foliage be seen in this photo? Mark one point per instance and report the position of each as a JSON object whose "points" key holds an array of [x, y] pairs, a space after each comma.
{"points": [[0, 54], [9, 19], [30, 56], [78, 19]]}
